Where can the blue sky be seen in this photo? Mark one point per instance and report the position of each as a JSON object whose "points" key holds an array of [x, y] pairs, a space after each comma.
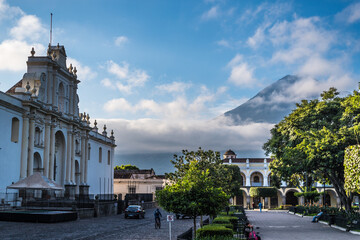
{"points": [[159, 72]]}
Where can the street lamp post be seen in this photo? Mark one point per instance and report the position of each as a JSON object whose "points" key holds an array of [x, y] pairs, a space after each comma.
{"points": [[324, 194]]}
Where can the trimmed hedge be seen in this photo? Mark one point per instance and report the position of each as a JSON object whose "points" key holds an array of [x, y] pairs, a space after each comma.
{"points": [[263, 192], [216, 238], [214, 230], [225, 220], [227, 225]]}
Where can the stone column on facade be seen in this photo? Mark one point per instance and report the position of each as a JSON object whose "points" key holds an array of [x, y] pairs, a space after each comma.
{"points": [[86, 159], [248, 183], [24, 147], [72, 176], [266, 183], [248, 202], [74, 98], [266, 202], [338, 201], [321, 199], [68, 156], [54, 93], [82, 160], [52, 152], [283, 198], [46, 149], [84, 188], [302, 200], [30, 168]]}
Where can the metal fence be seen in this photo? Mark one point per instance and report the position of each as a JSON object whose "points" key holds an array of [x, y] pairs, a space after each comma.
{"points": [[9, 200]]}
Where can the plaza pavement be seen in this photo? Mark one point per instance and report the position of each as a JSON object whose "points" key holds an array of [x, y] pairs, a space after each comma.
{"points": [[278, 225], [104, 228]]}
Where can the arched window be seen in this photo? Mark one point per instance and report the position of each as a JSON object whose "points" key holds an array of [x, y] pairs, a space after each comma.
{"points": [[100, 154], [15, 130], [256, 179], [109, 157], [37, 163]]}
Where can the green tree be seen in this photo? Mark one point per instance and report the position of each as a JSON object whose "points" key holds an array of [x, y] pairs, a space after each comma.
{"points": [[194, 194], [228, 177], [126, 167], [311, 141]]}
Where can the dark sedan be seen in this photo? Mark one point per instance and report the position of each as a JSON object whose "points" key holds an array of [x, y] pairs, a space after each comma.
{"points": [[134, 211]]}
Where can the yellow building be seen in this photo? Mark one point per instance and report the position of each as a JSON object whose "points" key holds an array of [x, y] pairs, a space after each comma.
{"points": [[141, 182]]}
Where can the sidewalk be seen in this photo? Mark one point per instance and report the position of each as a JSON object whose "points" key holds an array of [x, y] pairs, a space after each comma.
{"points": [[277, 225]]}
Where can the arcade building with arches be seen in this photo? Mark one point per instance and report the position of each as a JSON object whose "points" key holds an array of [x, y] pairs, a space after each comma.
{"points": [[42, 130], [255, 172]]}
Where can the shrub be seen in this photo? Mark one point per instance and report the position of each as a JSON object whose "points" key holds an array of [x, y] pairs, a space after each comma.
{"points": [[285, 207], [225, 220], [216, 238], [227, 225], [214, 230], [231, 213]]}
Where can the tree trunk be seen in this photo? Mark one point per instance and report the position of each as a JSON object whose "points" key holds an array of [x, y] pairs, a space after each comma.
{"points": [[194, 233], [339, 188]]}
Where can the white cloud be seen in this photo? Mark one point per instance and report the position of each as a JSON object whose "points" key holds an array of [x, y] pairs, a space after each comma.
{"points": [[266, 10], [107, 83], [8, 12], [129, 78], [155, 136], [119, 104], [28, 27], [15, 52], [258, 37], [178, 108], [121, 40], [241, 73], [174, 87], [317, 66], [299, 39], [211, 14], [350, 14], [84, 72], [224, 43], [23, 36]]}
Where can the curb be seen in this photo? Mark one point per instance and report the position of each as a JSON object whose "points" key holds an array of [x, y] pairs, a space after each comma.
{"points": [[332, 226], [353, 232]]}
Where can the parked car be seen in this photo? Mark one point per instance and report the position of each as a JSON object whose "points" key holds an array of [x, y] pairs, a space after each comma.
{"points": [[182, 216], [134, 211]]}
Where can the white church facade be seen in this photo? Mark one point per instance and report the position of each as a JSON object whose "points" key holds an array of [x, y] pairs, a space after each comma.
{"points": [[43, 131]]}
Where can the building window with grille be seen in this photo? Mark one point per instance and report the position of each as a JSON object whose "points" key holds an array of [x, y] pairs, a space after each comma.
{"points": [[109, 160], [15, 130], [132, 190], [100, 154]]}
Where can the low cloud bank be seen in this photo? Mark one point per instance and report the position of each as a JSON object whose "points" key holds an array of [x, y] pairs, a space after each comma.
{"points": [[164, 136]]}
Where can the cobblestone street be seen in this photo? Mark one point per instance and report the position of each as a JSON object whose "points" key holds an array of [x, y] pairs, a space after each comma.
{"points": [[112, 227], [277, 225]]}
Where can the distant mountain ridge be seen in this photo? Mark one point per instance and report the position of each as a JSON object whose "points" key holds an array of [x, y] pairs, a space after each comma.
{"points": [[263, 107]]}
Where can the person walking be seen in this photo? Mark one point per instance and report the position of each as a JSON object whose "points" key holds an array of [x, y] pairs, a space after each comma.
{"points": [[260, 206]]}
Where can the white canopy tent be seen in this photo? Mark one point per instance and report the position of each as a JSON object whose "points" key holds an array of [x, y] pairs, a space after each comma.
{"points": [[36, 182]]}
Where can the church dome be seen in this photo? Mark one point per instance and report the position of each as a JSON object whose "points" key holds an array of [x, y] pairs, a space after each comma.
{"points": [[229, 152]]}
